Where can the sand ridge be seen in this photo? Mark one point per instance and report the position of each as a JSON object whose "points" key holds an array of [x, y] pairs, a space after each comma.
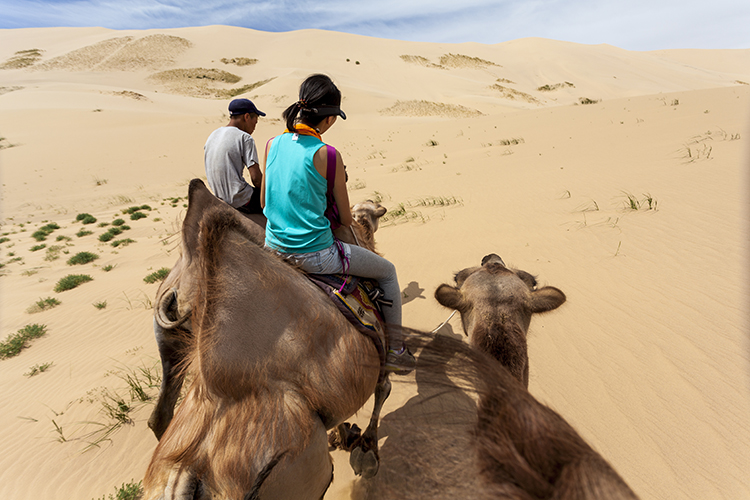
{"points": [[635, 205]]}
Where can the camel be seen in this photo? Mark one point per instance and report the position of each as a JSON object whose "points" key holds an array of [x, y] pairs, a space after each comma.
{"points": [[253, 423], [496, 305], [474, 431]]}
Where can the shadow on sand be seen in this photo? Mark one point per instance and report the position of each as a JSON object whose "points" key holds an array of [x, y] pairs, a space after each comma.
{"points": [[439, 422]]}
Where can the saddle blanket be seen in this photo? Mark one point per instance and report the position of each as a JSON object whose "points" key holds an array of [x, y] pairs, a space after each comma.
{"points": [[359, 300]]}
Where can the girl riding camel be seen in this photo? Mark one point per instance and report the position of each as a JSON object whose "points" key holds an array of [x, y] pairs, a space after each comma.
{"points": [[293, 195]]}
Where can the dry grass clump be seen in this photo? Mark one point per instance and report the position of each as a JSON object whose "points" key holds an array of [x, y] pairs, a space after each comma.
{"points": [[229, 93], [586, 100], [509, 93], [421, 61], [87, 57], [150, 52], [22, 59], [124, 53], [5, 144], [428, 108], [5, 90], [239, 61], [195, 74], [462, 61], [130, 95], [554, 86]]}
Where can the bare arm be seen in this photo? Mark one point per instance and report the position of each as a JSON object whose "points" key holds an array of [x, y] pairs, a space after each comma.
{"points": [[263, 178], [255, 174], [340, 194]]}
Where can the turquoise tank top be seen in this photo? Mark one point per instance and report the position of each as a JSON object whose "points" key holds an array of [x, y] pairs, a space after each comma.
{"points": [[295, 196]]}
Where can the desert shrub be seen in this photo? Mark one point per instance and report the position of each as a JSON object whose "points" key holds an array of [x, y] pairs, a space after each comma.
{"points": [[44, 231], [239, 61], [586, 100], [62, 237], [132, 210], [4, 239], [38, 247], [16, 342], [157, 275], [82, 258], [137, 215], [37, 369], [83, 233], [125, 242], [101, 304], [53, 253], [118, 222], [71, 281], [112, 232], [43, 304], [130, 491], [85, 218], [108, 268]]}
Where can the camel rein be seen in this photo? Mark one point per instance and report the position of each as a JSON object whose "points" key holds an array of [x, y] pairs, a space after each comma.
{"points": [[443, 323]]}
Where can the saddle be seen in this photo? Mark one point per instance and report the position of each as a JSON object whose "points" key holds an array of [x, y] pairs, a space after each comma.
{"points": [[360, 300]]}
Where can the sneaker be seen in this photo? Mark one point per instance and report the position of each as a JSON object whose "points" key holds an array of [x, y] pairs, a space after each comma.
{"points": [[400, 362]]}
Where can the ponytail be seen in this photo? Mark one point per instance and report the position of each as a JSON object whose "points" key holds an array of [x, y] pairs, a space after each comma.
{"points": [[317, 96]]}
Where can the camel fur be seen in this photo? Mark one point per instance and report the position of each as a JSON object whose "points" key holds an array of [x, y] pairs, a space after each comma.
{"points": [[496, 305]]}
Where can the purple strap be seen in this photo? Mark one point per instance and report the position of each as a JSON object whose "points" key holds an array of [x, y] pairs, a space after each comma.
{"points": [[331, 171]]}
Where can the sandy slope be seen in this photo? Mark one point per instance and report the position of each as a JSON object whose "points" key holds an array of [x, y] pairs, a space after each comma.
{"points": [[648, 359]]}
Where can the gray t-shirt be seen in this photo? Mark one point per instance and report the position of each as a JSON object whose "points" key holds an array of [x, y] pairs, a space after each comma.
{"points": [[227, 151]]}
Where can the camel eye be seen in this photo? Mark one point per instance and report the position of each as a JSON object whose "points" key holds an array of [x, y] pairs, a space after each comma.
{"points": [[461, 276], [527, 278]]}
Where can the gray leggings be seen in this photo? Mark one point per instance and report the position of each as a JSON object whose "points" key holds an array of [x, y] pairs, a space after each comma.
{"points": [[362, 262]]}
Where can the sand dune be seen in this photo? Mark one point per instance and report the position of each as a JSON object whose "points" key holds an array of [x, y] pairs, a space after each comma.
{"points": [[620, 177]]}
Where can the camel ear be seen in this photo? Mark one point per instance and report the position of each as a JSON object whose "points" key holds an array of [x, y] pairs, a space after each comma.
{"points": [[380, 211], [546, 299], [451, 297]]}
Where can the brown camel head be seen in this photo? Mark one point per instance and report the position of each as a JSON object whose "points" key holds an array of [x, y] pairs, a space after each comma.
{"points": [[366, 221], [368, 213], [496, 304]]}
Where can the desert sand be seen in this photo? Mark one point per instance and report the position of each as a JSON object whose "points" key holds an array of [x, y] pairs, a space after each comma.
{"points": [[619, 177]]}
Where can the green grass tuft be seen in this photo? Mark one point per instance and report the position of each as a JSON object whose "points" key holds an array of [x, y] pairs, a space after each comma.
{"points": [[37, 369], [38, 247], [43, 304], [129, 491], [71, 281], [16, 342], [125, 242], [82, 258], [157, 275], [44, 231], [85, 218]]}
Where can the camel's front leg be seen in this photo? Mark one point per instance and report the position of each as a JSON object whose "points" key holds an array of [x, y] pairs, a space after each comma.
{"points": [[364, 458], [171, 346]]}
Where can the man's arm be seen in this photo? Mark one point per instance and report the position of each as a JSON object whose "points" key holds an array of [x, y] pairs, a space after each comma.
{"points": [[255, 174]]}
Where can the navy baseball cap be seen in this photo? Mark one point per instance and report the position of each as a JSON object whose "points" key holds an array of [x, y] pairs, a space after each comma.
{"points": [[242, 106]]}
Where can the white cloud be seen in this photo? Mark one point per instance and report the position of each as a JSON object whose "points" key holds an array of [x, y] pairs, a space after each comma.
{"points": [[629, 24]]}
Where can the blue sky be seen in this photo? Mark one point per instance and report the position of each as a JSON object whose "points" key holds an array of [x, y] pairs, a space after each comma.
{"points": [[629, 24]]}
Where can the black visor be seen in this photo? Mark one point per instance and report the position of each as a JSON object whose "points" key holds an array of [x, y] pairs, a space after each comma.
{"points": [[326, 110]]}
